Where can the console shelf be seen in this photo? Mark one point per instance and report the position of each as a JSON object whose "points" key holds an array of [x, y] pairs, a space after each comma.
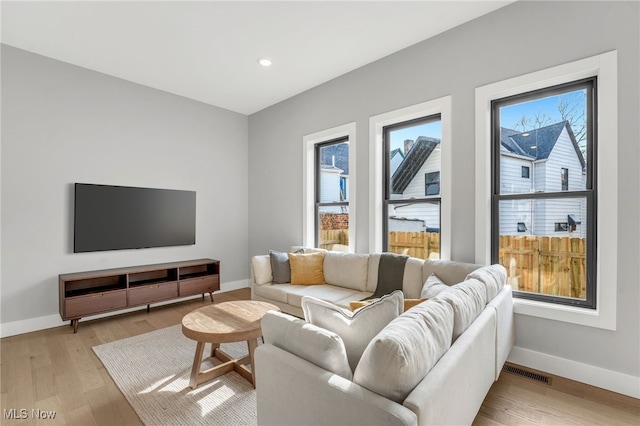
{"points": [[83, 294]]}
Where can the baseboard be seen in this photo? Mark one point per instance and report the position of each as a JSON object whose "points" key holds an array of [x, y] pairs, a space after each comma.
{"points": [[595, 376], [50, 321]]}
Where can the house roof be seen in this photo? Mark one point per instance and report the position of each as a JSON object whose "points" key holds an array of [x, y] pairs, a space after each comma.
{"points": [[341, 153], [413, 161], [395, 152], [538, 143]]}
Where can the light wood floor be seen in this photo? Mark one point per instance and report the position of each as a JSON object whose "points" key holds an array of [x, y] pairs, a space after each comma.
{"points": [[56, 370]]}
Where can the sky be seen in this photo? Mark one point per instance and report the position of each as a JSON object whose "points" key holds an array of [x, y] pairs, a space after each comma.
{"points": [[509, 116]]}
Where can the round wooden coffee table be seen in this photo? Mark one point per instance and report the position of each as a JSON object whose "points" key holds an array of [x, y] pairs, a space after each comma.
{"points": [[225, 322]]}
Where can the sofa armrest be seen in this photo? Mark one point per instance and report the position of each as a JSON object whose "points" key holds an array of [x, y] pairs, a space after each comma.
{"points": [[505, 327], [293, 391]]}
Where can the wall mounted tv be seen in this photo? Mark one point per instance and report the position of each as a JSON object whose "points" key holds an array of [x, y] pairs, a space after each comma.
{"points": [[121, 217]]}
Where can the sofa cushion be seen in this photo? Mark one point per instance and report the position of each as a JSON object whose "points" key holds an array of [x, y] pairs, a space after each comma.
{"points": [[306, 268], [326, 292], [347, 270], [402, 354], [355, 328], [261, 268], [432, 287], [317, 345], [494, 277], [467, 299], [412, 280]]}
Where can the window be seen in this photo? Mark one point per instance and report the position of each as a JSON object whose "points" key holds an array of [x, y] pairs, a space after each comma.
{"points": [[386, 192], [412, 187], [604, 67], [564, 178], [432, 183], [328, 190], [522, 227], [525, 172], [331, 201], [554, 129]]}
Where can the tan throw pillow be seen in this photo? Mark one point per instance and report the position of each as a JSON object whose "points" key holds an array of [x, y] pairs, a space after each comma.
{"points": [[306, 268], [408, 303]]}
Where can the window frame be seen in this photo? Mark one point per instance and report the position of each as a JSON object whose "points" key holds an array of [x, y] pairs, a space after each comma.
{"points": [[377, 123], [309, 218], [604, 66], [590, 85]]}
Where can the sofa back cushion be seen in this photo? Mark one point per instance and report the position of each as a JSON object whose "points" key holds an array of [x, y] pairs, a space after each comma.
{"points": [[355, 328], [404, 352], [468, 300], [494, 277], [348, 270], [449, 271], [317, 345]]}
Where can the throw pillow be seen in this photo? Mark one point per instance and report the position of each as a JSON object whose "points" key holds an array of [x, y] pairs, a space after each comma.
{"points": [[355, 328], [280, 268], [432, 286], [317, 345], [408, 303], [404, 352], [306, 268]]}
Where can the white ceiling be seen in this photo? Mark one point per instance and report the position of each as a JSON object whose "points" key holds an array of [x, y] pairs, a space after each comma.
{"points": [[208, 50]]}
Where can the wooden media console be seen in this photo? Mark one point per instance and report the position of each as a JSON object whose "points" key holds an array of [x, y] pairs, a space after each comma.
{"points": [[83, 294]]}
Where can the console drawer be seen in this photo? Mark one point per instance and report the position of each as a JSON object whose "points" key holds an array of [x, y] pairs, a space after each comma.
{"points": [[199, 285], [79, 306], [147, 294]]}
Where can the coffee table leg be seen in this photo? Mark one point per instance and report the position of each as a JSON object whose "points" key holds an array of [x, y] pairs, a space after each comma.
{"points": [[253, 344], [195, 370]]}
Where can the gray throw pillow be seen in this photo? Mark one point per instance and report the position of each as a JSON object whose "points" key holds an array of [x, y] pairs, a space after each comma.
{"points": [[280, 267]]}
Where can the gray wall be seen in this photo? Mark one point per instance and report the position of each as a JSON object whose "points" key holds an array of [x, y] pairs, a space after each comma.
{"points": [[516, 40], [63, 124]]}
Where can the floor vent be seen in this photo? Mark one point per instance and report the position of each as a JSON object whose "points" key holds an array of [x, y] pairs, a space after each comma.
{"points": [[526, 374]]}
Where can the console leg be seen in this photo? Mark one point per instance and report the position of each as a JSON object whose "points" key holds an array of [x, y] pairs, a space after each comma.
{"points": [[75, 325], [148, 308], [210, 296]]}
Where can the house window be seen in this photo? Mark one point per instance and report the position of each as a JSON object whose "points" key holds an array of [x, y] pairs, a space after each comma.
{"points": [[328, 189], [564, 178], [411, 188], [525, 172], [553, 128], [522, 227], [432, 183]]}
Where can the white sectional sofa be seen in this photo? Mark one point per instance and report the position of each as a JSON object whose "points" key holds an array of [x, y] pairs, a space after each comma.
{"points": [[431, 365]]}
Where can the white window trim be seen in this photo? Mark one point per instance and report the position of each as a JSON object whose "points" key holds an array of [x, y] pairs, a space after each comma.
{"points": [[604, 66], [377, 123], [308, 171]]}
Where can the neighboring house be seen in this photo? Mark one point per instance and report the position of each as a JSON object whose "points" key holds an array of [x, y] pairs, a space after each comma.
{"points": [[417, 176], [334, 178], [395, 159], [547, 159]]}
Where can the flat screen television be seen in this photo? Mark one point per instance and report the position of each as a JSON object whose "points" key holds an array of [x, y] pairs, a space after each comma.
{"points": [[121, 217]]}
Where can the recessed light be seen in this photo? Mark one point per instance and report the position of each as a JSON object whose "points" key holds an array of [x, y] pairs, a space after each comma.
{"points": [[265, 62]]}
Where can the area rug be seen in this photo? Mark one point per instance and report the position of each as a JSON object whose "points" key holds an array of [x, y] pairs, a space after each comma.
{"points": [[152, 370]]}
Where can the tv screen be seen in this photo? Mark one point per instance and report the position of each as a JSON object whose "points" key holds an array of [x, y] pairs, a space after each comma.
{"points": [[121, 217]]}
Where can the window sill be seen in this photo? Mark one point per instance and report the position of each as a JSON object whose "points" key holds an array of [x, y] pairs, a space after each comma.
{"points": [[570, 314]]}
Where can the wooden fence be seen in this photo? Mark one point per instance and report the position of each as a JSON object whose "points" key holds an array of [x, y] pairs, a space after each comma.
{"points": [[422, 245], [546, 265]]}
